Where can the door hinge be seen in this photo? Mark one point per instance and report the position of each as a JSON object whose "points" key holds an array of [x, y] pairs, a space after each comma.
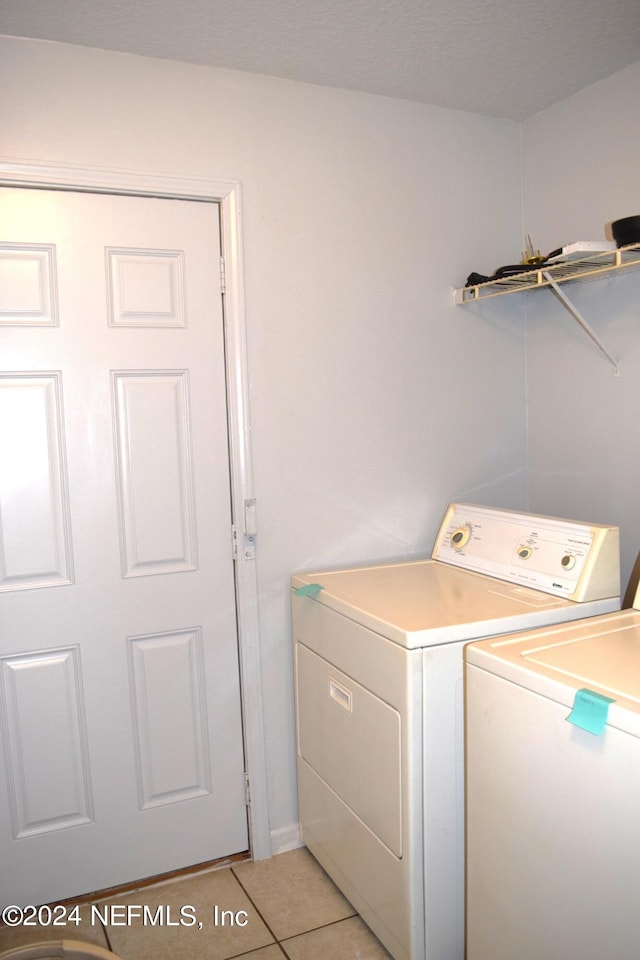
{"points": [[223, 276], [247, 791], [250, 529], [234, 541]]}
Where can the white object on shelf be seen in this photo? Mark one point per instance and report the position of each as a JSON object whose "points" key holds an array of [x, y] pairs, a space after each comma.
{"points": [[582, 248]]}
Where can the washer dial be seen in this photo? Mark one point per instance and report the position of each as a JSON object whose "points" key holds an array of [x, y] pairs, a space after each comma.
{"points": [[460, 536]]}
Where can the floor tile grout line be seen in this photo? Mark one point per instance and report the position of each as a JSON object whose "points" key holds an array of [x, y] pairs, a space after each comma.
{"points": [[321, 926], [106, 935], [253, 904], [256, 950]]}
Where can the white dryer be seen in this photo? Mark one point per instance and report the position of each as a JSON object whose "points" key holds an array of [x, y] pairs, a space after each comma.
{"points": [[553, 792], [378, 677]]}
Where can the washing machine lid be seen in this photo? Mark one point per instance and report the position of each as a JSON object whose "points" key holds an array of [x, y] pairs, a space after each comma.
{"points": [[599, 654], [423, 603]]}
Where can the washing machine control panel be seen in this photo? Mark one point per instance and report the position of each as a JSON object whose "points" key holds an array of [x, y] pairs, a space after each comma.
{"points": [[562, 557]]}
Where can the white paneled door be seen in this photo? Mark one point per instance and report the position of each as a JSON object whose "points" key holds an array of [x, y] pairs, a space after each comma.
{"points": [[120, 716]]}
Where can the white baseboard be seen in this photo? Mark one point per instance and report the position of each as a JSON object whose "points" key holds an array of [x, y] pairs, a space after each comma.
{"points": [[285, 838]]}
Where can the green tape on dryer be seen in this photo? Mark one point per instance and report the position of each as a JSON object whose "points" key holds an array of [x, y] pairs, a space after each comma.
{"points": [[309, 590], [590, 711]]}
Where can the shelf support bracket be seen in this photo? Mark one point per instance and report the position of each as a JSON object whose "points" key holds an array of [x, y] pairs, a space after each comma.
{"points": [[575, 313]]}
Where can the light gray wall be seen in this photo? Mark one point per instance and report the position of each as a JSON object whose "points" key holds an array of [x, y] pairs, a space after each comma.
{"points": [[581, 172], [374, 401]]}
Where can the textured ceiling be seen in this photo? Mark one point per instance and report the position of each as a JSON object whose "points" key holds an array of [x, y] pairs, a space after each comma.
{"points": [[503, 58]]}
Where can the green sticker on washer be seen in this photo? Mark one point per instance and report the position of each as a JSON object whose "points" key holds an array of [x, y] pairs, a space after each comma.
{"points": [[590, 711], [309, 590]]}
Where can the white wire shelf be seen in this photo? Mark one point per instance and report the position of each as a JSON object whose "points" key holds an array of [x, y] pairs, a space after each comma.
{"points": [[547, 275]]}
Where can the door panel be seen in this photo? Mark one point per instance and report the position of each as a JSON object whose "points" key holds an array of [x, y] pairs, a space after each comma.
{"points": [[34, 521], [155, 477], [46, 746], [120, 702]]}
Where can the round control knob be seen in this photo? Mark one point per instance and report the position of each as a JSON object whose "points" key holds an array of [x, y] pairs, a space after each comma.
{"points": [[524, 552], [460, 537], [568, 561]]}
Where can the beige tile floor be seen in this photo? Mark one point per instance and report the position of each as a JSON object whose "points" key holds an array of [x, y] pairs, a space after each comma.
{"points": [[285, 908]]}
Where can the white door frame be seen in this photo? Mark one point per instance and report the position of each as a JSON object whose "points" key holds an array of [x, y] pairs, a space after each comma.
{"points": [[227, 194]]}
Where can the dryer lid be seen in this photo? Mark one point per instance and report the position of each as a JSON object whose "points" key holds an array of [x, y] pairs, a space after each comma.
{"points": [[424, 603]]}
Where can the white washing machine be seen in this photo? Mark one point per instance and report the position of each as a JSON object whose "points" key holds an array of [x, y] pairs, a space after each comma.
{"points": [[553, 792], [378, 670]]}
